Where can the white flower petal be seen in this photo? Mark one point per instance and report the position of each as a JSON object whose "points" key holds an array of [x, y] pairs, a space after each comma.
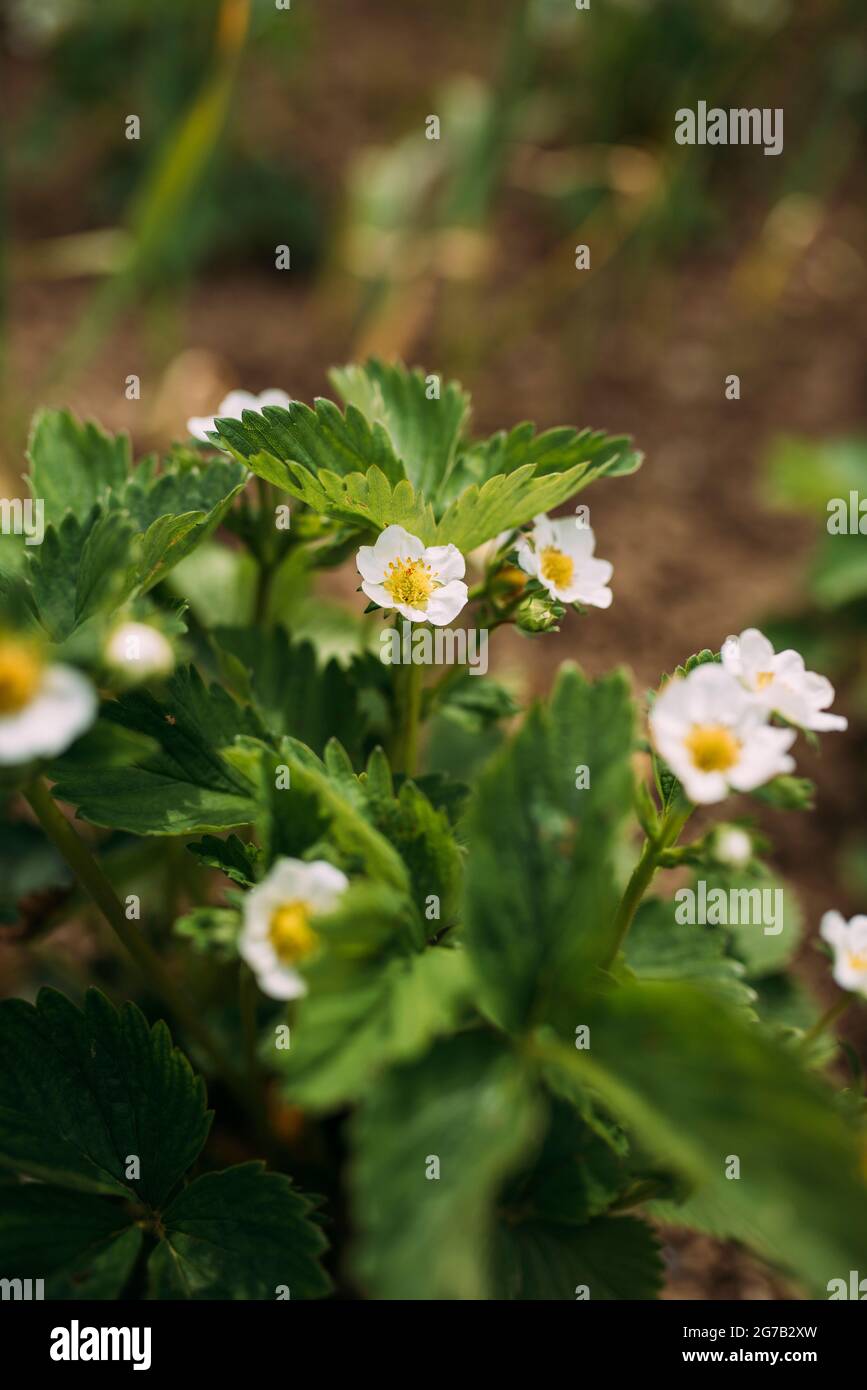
{"points": [[64, 706], [446, 562], [445, 604]]}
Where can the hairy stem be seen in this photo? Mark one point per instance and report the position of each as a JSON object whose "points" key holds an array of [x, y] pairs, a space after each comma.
{"points": [[643, 874]]}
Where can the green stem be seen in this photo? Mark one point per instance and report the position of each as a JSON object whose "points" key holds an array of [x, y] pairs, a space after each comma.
{"points": [[92, 879], [643, 873], [828, 1017], [409, 698]]}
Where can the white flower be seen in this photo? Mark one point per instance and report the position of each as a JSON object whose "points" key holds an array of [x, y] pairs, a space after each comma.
{"points": [[277, 931], [780, 682], [732, 846], [560, 555], [232, 407], [424, 583], [714, 737], [139, 651], [849, 940], [43, 708]]}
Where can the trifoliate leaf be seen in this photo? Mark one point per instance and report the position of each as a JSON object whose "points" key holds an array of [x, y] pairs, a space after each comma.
{"points": [[542, 878], [84, 1094], [83, 567], [186, 784], [240, 1233], [434, 1142]]}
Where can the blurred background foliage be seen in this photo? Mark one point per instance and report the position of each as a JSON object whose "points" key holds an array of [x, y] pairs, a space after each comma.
{"points": [[305, 127]]}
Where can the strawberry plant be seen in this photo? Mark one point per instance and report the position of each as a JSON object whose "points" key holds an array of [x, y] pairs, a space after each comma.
{"points": [[460, 1039]]}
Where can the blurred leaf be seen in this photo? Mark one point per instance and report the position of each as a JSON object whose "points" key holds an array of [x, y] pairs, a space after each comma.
{"points": [[186, 784], [291, 692], [659, 948], [236, 860], [697, 1085], [467, 1105], [614, 1257], [369, 1005], [542, 877]]}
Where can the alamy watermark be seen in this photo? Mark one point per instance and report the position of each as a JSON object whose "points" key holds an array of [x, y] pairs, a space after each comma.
{"points": [[440, 646], [730, 907], [23, 518], [732, 126]]}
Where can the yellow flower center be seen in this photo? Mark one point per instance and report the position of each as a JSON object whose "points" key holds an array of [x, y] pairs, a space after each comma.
{"points": [[857, 962], [557, 567], [410, 581], [20, 675], [712, 747], [764, 678], [290, 932]]}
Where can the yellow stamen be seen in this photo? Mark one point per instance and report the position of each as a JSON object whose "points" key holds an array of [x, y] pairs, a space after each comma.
{"points": [[712, 747], [20, 674], [410, 581], [764, 678], [857, 962], [556, 567], [290, 932]]}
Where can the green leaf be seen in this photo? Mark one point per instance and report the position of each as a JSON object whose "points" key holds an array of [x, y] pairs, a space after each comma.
{"points": [[292, 694], [317, 441], [762, 952], [230, 856], [341, 802], [241, 1233], [787, 793], [82, 1092], [211, 931], [362, 499], [74, 466], [81, 1245], [554, 451], [468, 1105], [186, 785], [660, 948], [475, 703], [698, 1085], [613, 1257], [542, 877], [503, 503], [82, 567], [425, 432], [424, 839], [363, 1014]]}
